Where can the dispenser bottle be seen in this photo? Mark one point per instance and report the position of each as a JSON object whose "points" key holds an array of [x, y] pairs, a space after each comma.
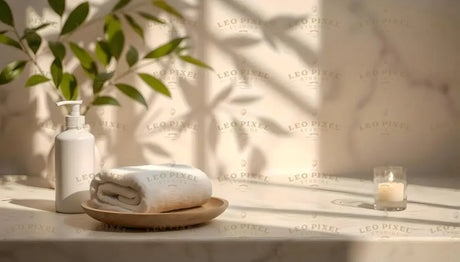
{"points": [[74, 161]]}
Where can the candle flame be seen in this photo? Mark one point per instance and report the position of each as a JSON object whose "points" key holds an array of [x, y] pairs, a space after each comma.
{"points": [[391, 177]]}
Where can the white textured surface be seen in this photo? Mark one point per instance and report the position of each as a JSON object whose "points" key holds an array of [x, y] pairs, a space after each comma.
{"points": [[264, 222]]}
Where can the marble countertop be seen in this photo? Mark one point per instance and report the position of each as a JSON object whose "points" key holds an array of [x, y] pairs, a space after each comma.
{"points": [[272, 220]]}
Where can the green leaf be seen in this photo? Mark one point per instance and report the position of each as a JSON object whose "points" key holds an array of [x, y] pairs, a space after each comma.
{"points": [[28, 31], [114, 37], [151, 17], [132, 56], [194, 61], [132, 93], [56, 72], [36, 79], [12, 71], [69, 87], [86, 60], [40, 27], [120, 4], [103, 52], [83, 56], [165, 49], [8, 41], [5, 13], [116, 44], [163, 5], [135, 26], [58, 49], [76, 18], [33, 40], [106, 100], [58, 6], [155, 83], [100, 80]]}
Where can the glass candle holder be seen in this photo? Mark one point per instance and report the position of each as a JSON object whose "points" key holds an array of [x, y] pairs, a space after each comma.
{"points": [[390, 185]]}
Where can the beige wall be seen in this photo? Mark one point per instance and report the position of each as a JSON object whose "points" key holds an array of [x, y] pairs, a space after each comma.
{"points": [[328, 87]]}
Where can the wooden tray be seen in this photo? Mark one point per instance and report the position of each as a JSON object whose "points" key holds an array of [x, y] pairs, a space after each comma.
{"points": [[172, 219]]}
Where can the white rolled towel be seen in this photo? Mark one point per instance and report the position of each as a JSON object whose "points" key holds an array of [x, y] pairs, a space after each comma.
{"points": [[150, 188]]}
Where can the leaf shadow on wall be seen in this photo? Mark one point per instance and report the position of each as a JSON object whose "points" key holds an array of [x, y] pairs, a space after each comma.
{"points": [[204, 112], [205, 109], [341, 155], [392, 84], [207, 112]]}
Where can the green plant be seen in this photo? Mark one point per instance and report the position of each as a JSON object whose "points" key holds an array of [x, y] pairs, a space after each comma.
{"points": [[110, 48]]}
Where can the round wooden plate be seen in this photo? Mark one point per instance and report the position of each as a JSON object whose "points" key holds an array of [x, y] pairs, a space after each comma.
{"points": [[172, 219]]}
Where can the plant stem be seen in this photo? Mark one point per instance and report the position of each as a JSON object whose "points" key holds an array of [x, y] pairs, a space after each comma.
{"points": [[26, 51], [33, 59], [133, 69], [123, 74], [111, 82]]}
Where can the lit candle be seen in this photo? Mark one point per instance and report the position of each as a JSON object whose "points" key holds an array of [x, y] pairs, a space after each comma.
{"points": [[390, 188], [390, 191]]}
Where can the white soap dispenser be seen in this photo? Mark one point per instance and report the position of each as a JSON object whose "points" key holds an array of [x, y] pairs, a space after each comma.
{"points": [[74, 161]]}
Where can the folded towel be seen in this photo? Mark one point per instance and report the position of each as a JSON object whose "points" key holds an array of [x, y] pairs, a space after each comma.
{"points": [[150, 189]]}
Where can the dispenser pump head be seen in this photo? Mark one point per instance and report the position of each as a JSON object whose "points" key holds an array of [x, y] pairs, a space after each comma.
{"points": [[74, 119]]}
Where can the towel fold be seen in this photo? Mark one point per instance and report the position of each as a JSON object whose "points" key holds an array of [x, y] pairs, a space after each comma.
{"points": [[150, 189]]}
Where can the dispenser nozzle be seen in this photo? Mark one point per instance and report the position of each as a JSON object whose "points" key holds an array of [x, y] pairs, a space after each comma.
{"points": [[75, 109], [74, 119]]}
